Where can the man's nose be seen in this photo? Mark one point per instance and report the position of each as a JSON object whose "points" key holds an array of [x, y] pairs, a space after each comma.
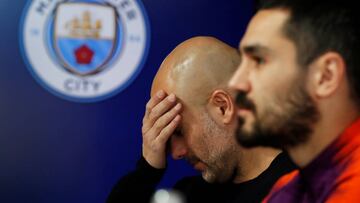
{"points": [[178, 147], [240, 79]]}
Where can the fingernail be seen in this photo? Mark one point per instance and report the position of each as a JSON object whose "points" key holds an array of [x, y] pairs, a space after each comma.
{"points": [[160, 94], [171, 98], [178, 106]]}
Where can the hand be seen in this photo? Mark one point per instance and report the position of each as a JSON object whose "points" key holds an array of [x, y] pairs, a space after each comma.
{"points": [[160, 120]]}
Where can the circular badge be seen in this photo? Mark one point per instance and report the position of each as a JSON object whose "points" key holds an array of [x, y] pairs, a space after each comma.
{"points": [[84, 50]]}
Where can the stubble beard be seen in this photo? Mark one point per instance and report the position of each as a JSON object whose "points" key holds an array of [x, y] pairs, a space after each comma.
{"points": [[288, 126]]}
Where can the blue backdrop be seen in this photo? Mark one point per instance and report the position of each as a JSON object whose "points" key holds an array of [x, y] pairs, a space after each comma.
{"points": [[56, 151]]}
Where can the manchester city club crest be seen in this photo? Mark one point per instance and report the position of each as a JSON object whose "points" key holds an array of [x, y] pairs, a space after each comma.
{"points": [[84, 36], [84, 50]]}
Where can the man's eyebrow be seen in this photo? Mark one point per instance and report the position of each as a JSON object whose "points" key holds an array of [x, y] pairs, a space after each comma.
{"points": [[255, 49]]}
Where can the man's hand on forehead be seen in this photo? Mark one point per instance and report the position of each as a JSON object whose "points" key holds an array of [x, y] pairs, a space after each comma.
{"points": [[160, 120]]}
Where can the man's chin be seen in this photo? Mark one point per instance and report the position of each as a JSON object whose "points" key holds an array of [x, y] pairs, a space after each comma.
{"points": [[208, 177], [247, 139], [251, 135], [245, 134], [211, 178]]}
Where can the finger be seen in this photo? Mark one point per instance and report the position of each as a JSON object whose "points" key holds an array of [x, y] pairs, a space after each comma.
{"points": [[166, 133], [160, 109], [154, 100], [163, 121]]}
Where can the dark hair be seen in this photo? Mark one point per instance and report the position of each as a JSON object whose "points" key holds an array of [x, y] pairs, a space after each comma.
{"points": [[319, 26]]}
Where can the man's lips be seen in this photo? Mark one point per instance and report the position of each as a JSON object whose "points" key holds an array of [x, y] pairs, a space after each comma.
{"points": [[244, 111], [199, 166], [196, 163]]}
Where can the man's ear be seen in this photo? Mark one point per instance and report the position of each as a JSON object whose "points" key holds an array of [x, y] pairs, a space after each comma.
{"points": [[328, 73], [221, 106]]}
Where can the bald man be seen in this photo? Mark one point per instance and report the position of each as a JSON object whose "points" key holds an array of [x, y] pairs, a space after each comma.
{"points": [[199, 124]]}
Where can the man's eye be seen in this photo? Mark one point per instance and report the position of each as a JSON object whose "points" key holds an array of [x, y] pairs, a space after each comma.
{"points": [[259, 60], [177, 133]]}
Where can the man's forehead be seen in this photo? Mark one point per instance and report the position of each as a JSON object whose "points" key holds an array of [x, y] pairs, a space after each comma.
{"points": [[263, 27], [161, 82], [170, 88], [157, 86]]}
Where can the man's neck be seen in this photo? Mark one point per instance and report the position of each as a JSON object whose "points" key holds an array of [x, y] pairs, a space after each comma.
{"points": [[325, 131], [257, 161]]}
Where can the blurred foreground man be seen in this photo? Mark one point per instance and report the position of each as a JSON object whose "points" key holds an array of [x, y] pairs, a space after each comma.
{"points": [[199, 125], [299, 90]]}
